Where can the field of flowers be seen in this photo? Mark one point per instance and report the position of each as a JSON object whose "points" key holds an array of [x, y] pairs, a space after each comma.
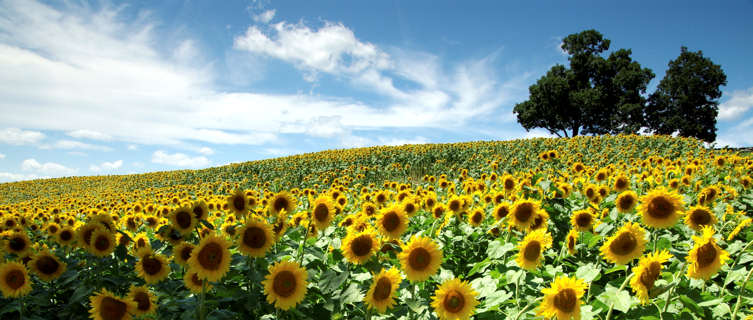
{"points": [[610, 227]]}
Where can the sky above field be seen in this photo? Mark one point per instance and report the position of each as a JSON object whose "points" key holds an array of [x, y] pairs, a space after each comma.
{"points": [[91, 88]]}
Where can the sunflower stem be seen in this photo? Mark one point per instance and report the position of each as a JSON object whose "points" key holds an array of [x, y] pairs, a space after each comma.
{"points": [[522, 311], [202, 316], [669, 298], [517, 285], [20, 308], [303, 242], [611, 306], [740, 295]]}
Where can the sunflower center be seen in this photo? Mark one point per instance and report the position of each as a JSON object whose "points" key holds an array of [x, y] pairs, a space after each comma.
{"points": [[17, 244], [660, 208], [590, 193], [284, 284], [151, 265], [626, 202], [571, 243], [280, 203], [185, 253], [88, 235], [524, 212], [621, 183], [706, 255], [391, 221], [47, 265], [453, 302], [196, 281], [254, 237], [532, 251], [101, 243], [183, 219], [509, 184], [419, 258], [583, 220], [477, 217], [141, 243], [15, 279], [361, 246], [142, 299], [700, 217], [454, 205], [382, 289], [501, 212], [650, 274], [53, 229], [210, 257], [239, 203], [565, 300], [66, 235], [198, 212], [111, 308], [321, 212], [624, 243]]}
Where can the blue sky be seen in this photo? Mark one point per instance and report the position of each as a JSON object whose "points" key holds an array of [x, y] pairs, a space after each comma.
{"points": [[102, 87]]}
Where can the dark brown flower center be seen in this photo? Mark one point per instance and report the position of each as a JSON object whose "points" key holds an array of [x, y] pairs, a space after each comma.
{"points": [[700, 217], [254, 237], [321, 212], [382, 289], [198, 212], [284, 284], [183, 219], [509, 184], [706, 255], [210, 256], [621, 183], [626, 202], [453, 302], [47, 265], [391, 221], [650, 274], [584, 220], [660, 208], [532, 251], [565, 300], [17, 244], [185, 252], [142, 300], [523, 212], [361, 245], [624, 244], [66, 235], [101, 243], [281, 203], [419, 258], [151, 265], [239, 203], [454, 205], [15, 279], [111, 308]]}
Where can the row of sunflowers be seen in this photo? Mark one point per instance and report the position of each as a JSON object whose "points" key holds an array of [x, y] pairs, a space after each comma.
{"points": [[607, 227]]}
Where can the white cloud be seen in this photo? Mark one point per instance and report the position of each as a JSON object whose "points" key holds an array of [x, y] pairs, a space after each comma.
{"points": [[19, 137], [739, 103], [47, 168], [265, 17], [10, 177], [72, 144], [132, 147], [2, 156], [89, 134], [206, 151], [106, 166], [179, 160]]}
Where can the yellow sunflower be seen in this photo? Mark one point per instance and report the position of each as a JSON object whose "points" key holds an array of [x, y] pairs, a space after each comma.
{"points": [[152, 267], [501, 211], [282, 201], [200, 210], [626, 201], [182, 252], [102, 242], [107, 306], [420, 258], [357, 247], [238, 203], [183, 220], [476, 217], [285, 285], [531, 249], [383, 288], [706, 258], [14, 280], [523, 213], [66, 236], [144, 300], [46, 266], [323, 211], [698, 216], [211, 258], [18, 243], [392, 222], [661, 208], [192, 281], [621, 183], [562, 299], [646, 272], [255, 238], [454, 299], [572, 241], [582, 220], [84, 234], [625, 245]]}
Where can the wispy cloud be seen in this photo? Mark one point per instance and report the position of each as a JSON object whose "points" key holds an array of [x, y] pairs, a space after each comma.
{"points": [[106, 166], [179, 160], [47, 168], [15, 136], [265, 17], [89, 134], [738, 104]]}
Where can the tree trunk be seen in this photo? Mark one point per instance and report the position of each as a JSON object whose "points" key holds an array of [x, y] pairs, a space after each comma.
{"points": [[575, 131]]}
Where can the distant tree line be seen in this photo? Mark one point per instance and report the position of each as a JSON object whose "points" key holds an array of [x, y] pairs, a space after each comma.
{"points": [[600, 94]]}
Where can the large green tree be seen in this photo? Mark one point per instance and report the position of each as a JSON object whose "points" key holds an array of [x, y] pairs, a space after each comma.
{"points": [[596, 95], [686, 100]]}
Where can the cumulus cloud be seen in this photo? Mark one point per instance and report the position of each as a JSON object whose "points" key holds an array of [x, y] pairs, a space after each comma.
{"points": [[2, 156], [89, 134], [179, 160], [15, 136], [10, 177], [206, 151], [106, 166], [47, 169], [265, 17], [72, 144], [740, 102]]}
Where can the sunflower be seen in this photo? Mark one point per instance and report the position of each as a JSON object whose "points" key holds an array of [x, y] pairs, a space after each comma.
{"points": [[582, 220], [84, 234], [706, 258], [152, 267], [698, 216], [323, 212], [192, 281], [65, 236], [476, 217], [255, 238], [501, 210], [281, 201], [626, 201], [102, 243], [572, 241], [143, 299], [532, 247], [183, 220], [107, 306], [14, 280], [625, 245], [211, 258], [661, 208], [383, 288], [182, 252], [646, 272], [238, 203], [392, 222], [739, 228], [438, 211], [46, 266], [562, 299], [420, 258], [18, 243], [454, 299], [359, 246], [141, 241], [621, 183], [523, 213], [285, 285], [200, 210]]}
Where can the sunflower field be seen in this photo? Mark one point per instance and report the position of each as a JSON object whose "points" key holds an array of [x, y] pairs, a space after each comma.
{"points": [[605, 227]]}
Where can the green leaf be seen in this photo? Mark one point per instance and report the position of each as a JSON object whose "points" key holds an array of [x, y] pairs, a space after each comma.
{"points": [[207, 224], [588, 272], [484, 286], [494, 299], [351, 294], [621, 299], [690, 304], [497, 249]]}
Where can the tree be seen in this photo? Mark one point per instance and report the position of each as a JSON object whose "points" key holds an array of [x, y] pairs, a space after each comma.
{"points": [[685, 102], [596, 95]]}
